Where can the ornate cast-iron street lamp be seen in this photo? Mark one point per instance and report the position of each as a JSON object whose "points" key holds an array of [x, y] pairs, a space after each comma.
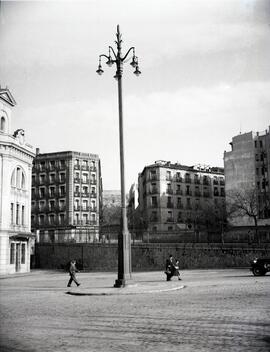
{"points": [[124, 245]]}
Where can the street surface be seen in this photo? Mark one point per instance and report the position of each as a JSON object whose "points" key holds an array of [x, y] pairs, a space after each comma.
{"points": [[214, 310]]}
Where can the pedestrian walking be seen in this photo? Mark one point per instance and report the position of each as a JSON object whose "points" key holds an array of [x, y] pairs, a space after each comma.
{"points": [[170, 268], [72, 272], [177, 272]]}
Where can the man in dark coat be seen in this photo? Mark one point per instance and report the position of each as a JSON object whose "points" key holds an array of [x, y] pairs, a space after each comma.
{"points": [[72, 273], [170, 267]]}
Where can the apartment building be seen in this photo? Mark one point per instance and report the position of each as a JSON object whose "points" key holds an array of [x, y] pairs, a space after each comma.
{"points": [[247, 167], [66, 197], [172, 195], [16, 156]]}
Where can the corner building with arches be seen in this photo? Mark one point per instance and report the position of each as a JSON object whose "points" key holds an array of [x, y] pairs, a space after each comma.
{"points": [[16, 158]]}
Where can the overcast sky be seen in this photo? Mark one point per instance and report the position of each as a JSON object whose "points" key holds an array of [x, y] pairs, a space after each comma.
{"points": [[205, 77]]}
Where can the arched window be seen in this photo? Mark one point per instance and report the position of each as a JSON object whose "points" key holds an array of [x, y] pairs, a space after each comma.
{"points": [[3, 124], [18, 178]]}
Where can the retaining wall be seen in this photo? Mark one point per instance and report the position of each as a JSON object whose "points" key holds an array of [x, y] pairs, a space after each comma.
{"points": [[146, 257]]}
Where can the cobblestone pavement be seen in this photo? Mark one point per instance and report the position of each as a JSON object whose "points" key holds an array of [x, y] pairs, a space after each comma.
{"points": [[217, 310]]}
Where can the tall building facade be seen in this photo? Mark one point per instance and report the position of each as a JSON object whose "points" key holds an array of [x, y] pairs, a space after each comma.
{"points": [[66, 197], [247, 167], [172, 195], [16, 158]]}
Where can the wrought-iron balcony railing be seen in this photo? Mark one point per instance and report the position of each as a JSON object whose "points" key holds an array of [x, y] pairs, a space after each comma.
{"points": [[93, 194], [179, 192], [77, 180], [187, 180], [179, 206], [169, 191]]}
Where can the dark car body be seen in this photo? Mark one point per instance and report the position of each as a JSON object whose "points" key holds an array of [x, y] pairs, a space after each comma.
{"points": [[260, 266]]}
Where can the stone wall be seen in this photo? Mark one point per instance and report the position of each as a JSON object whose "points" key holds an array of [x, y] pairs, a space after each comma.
{"points": [[145, 257]]}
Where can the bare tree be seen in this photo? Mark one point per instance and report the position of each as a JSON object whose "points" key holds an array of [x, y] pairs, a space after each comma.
{"points": [[244, 202]]}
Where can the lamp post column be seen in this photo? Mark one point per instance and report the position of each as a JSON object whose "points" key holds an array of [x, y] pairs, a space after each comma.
{"points": [[124, 243], [124, 248]]}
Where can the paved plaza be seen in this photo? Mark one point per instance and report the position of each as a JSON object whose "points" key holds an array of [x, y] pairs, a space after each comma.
{"points": [[209, 310]]}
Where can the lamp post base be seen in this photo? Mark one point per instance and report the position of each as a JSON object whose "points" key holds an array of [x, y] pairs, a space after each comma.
{"points": [[120, 283]]}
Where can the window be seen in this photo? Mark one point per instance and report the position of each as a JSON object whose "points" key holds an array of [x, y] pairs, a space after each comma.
{"points": [[12, 213], [85, 204], [51, 219], [62, 177], [52, 191], [12, 253], [85, 218], [18, 178], [52, 178], [62, 190], [23, 253], [17, 213], [62, 219], [85, 178], [51, 204], [255, 144], [42, 178], [261, 144], [93, 217], [41, 219], [42, 192], [153, 175], [42, 206], [23, 215], [61, 204], [3, 124], [168, 175], [77, 204], [154, 202]]}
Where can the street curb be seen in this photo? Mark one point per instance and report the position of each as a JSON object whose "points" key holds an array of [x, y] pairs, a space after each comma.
{"points": [[119, 293]]}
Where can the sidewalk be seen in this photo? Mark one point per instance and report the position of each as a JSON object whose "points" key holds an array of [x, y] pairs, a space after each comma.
{"points": [[137, 285]]}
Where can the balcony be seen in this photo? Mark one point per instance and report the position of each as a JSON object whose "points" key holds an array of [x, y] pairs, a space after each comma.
{"points": [[169, 191], [77, 194], [85, 181], [85, 208], [93, 195], [76, 167], [215, 182], [222, 182], [216, 194], [93, 182], [206, 182], [77, 180], [179, 192], [77, 208], [197, 181], [93, 168], [187, 180], [206, 194], [179, 206], [85, 194], [85, 167], [153, 219], [170, 205], [178, 179], [197, 193], [93, 209], [188, 206], [168, 178], [188, 193]]}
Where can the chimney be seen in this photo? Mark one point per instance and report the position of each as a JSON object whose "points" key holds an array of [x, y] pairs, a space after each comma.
{"points": [[37, 151]]}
